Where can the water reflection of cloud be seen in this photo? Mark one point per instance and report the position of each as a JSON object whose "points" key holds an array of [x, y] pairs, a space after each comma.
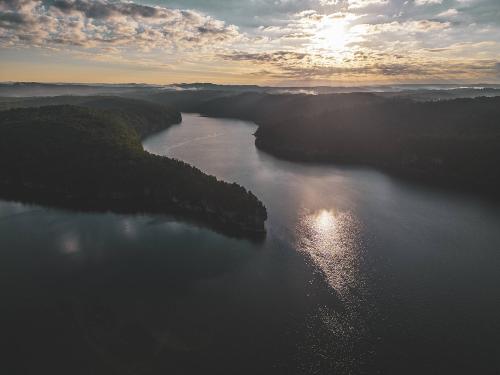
{"points": [[69, 243], [129, 228]]}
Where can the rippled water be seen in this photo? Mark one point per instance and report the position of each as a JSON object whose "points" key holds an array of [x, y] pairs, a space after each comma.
{"points": [[360, 273]]}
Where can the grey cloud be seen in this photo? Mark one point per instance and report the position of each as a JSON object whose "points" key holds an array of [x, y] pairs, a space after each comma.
{"points": [[290, 65], [11, 19], [269, 57], [103, 9]]}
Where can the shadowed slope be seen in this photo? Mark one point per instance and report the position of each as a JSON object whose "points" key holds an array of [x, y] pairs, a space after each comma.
{"points": [[89, 159]]}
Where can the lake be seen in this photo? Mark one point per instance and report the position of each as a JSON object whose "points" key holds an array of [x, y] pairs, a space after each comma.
{"points": [[360, 272]]}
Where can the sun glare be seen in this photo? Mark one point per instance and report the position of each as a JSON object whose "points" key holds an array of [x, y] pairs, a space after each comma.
{"points": [[324, 221], [331, 34], [330, 238]]}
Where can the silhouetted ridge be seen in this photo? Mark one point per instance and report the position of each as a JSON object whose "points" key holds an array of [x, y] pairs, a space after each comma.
{"points": [[145, 117], [454, 140]]}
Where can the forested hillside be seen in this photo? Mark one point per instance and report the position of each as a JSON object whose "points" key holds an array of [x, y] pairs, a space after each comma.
{"points": [[92, 159]]}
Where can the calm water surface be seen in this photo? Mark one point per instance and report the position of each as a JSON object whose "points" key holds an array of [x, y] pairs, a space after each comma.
{"points": [[360, 273]]}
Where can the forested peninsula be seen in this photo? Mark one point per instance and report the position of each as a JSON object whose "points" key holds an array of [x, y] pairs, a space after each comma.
{"points": [[89, 157]]}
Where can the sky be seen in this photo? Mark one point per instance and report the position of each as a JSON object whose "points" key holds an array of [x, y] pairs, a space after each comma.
{"points": [[265, 42]]}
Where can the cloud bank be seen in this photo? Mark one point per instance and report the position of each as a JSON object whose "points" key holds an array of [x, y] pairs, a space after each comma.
{"points": [[107, 23]]}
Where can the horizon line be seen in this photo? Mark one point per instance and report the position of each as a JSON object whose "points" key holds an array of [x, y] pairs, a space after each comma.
{"points": [[465, 84]]}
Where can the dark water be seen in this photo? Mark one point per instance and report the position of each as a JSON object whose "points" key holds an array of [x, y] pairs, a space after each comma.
{"points": [[359, 273]]}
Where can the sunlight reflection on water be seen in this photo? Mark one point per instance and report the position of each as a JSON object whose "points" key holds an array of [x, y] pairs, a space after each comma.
{"points": [[331, 240]]}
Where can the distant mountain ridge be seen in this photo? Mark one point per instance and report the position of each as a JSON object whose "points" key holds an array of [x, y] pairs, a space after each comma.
{"points": [[420, 91]]}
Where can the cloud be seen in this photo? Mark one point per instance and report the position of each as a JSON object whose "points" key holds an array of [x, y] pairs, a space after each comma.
{"points": [[406, 27], [270, 57], [104, 23], [448, 13], [280, 38], [292, 65], [428, 2], [359, 4]]}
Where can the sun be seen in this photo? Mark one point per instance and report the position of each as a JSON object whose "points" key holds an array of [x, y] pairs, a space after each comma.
{"points": [[331, 34]]}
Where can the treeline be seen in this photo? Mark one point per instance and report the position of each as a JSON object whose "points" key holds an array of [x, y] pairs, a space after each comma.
{"points": [[91, 159], [257, 106], [145, 117]]}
